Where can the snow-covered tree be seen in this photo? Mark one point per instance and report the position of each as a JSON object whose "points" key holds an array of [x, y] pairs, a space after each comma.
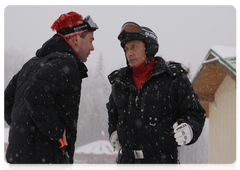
{"points": [[93, 111]]}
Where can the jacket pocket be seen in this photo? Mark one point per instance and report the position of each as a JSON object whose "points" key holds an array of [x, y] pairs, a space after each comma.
{"points": [[120, 100], [21, 143], [21, 133]]}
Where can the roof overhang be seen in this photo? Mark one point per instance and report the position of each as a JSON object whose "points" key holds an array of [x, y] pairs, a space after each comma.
{"points": [[210, 76], [208, 80]]}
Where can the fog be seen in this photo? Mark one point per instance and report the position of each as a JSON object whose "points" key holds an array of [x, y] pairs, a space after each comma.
{"points": [[185, 34], [93, 113]]}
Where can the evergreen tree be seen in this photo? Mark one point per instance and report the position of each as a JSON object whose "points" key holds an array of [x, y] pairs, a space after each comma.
{"points": [[93, 111]]}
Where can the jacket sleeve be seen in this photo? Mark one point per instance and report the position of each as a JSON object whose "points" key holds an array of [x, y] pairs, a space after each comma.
{"points": [[9, 96], [45, 85], [189, 108], [112, 115]]}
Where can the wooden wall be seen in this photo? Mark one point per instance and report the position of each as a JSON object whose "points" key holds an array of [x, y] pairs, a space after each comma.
{"points": [[222, 124]]}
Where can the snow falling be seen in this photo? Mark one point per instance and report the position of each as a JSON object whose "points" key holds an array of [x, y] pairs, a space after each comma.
{"points": [[92, 124]]}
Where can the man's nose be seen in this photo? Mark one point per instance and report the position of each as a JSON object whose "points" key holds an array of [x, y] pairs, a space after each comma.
{"points": [[129, 53]]}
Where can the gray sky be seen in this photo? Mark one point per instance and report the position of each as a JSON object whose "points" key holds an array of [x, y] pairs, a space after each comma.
{"points": [[185, 33]]}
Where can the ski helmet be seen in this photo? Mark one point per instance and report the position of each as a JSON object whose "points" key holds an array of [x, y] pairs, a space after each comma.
{"points": [[132, 31]]}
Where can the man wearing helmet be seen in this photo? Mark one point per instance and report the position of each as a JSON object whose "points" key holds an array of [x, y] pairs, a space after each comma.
{"points": [[42, 99], [152, 108]]}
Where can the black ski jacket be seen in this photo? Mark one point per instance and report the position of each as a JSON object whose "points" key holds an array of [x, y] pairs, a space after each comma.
{"points": [[144, 119], [42, 100]]}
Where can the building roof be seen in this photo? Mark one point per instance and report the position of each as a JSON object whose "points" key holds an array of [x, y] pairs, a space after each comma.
{"points": [[219, 62], [4, 135], [226, 55], [232, 62]]}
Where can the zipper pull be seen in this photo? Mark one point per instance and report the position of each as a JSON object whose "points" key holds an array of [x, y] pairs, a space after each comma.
{"points": [[136, 101]]}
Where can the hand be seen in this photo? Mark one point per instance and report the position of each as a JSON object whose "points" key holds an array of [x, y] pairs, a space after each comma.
{"points": [[64, 137], [114, 141], [183, 133]]}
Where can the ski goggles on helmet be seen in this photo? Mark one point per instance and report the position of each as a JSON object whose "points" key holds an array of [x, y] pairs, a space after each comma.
{"points": [[129, 27], [131, 30], [91, 26], [87, 24]]}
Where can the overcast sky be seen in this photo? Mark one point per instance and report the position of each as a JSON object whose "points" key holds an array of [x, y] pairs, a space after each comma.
{"points": [[185, 33]]}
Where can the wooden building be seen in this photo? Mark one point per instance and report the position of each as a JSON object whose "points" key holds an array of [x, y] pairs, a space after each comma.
{"points": [[215, 84]]}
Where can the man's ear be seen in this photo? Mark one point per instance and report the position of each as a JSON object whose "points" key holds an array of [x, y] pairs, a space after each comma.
{"points": [[75, 39]]}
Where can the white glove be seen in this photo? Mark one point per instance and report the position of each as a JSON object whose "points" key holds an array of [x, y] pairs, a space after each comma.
{"points": [[183, 133], [114, 141]]}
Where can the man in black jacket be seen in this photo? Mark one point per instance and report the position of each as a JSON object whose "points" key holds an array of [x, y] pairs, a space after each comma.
{"points": [[152, 108], [42, 99]]}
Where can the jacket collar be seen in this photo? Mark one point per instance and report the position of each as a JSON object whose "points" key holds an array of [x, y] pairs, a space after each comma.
{"points": [[144, 69], [59, 44], [160, 65], [54, 44], [122, 75]]}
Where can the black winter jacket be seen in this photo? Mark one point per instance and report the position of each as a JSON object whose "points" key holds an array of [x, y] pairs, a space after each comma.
{"points": [[41, 100], [144, 119]]}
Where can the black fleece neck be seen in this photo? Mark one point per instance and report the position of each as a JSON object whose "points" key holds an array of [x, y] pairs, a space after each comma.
{"points": [[54, 44]]}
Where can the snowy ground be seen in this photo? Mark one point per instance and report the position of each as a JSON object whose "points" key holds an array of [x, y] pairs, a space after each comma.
{"points": [[5, 167]]}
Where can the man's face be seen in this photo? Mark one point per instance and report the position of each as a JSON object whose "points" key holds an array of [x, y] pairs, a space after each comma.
{"points": [[135, 52], [85, 45]]}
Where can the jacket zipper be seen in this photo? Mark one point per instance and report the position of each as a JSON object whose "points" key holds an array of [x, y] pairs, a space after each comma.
{"points": [[136, 99]]}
